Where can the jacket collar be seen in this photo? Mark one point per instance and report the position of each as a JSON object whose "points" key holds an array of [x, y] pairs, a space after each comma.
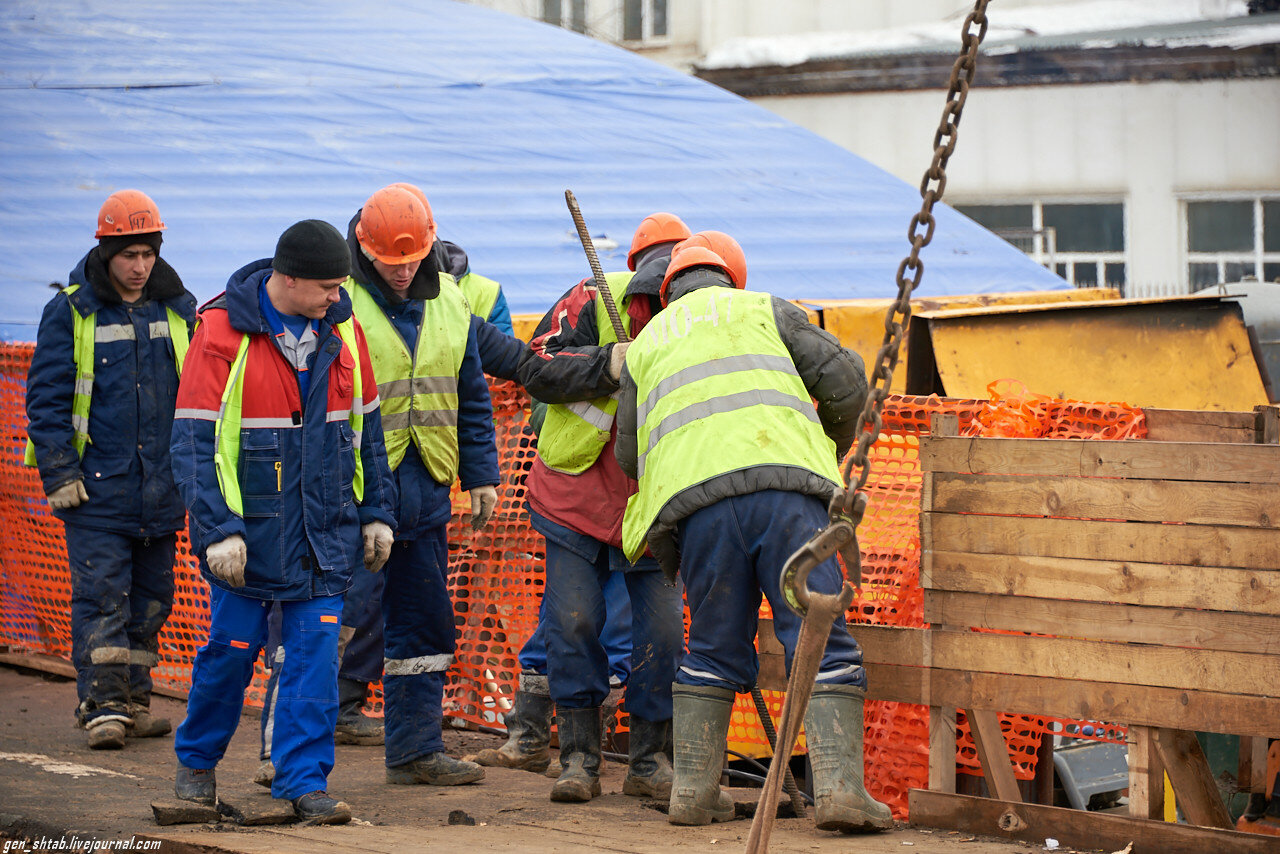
{"points": [[96, 292]]}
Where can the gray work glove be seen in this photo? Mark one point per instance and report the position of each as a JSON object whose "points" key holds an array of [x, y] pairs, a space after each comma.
{"points": [[68, 496], [226, 559], [483, 500], [617, 356], [377, 544]]}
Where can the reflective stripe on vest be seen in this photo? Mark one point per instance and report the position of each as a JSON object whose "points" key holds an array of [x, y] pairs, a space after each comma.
{"points": [[573, 434], [717, 392], [481, 293], [230, 421], [419, 392], [85, 332]]}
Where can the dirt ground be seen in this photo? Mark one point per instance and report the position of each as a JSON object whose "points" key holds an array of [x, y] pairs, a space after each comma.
{"points": [[53, 787]]}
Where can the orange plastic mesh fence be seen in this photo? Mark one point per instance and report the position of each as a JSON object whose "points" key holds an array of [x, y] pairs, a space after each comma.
{"points": [[496, 574]]}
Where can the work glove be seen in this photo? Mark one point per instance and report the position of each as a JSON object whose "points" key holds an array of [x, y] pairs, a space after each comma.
{"points": [[377, 544], [483, 500], [68, 496], [226, 559], [616, 357]]}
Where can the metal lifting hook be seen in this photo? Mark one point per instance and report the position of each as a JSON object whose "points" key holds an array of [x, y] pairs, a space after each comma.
{"points": [[841, 536]]}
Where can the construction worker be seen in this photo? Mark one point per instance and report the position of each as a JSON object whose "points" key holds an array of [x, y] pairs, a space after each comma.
{"points": [[278, 451], [716, 420], [361, 644], [439, 428], [576, 495], [100, 398]]}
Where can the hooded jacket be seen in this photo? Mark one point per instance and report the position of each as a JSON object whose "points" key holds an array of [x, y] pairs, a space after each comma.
{"points": [[302, 520], [125, 467]]}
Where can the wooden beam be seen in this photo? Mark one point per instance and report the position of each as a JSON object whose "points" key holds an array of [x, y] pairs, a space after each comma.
{"points": [[942, 748], [1198, 425], [993, 754], [1174, 585], [1091, 831], [1253, 505], [1191, 461], [1193, 783], [1077, 699], [1146, 774], [1183, 627], [1145, 542], [1100, 661], [1252, 774]]}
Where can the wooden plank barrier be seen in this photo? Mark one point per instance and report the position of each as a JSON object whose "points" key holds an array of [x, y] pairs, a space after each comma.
{"points": [[1147, 574]]}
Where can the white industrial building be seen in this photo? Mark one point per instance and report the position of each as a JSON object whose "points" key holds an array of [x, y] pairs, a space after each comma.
{"points": [[1126, 142]]}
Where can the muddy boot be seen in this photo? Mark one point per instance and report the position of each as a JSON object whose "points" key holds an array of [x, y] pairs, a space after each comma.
{"points": [[700, 727], [528, 746], [435, 769], [354, 726], [106, 733], [195, 785], [579, 754], [145, 724], [319, 808], [266, 774], [833, 729], [649, 771]]}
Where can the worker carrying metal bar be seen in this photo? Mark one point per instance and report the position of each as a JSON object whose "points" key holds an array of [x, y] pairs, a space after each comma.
{"points": [[736, 466], [576, 495], [100, 401]]}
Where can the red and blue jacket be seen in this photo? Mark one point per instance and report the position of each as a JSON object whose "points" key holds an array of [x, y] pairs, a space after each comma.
{"points": [[301, 520]]}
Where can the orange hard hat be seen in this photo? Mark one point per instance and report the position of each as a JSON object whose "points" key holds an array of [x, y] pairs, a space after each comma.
{"points": [[395, 227], [707, 249], [128, 212], [654, 229]]}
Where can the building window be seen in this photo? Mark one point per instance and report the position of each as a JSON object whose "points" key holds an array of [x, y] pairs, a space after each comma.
{"points": [[1232, 239], [1083, 242], [570, 14], [644, 20]]}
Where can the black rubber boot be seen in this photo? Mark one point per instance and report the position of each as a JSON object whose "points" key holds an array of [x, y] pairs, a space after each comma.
{"points": [[319, 808], [833, 730], [579, 754], [435, 769], [700, 727], [195, 785], [528, 746], [649, 772], [354, 726]]}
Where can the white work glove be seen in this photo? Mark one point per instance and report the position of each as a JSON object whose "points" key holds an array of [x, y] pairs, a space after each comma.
{"points": [[483, 500], [66, 497], [377, 544], [226, 559], [616, 357]]}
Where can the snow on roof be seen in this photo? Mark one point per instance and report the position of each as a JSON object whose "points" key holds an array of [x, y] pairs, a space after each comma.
{"points": [[1007, 25]]}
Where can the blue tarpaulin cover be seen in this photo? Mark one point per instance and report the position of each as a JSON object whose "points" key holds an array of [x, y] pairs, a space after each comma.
{"points": [[241, 117]]}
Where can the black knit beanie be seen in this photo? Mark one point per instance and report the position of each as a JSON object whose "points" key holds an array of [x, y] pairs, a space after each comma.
{"points": [[113, 244], [312, 249]]}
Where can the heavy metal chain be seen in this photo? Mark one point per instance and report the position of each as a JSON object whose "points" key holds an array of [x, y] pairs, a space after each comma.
{"points": [[912, 268]]}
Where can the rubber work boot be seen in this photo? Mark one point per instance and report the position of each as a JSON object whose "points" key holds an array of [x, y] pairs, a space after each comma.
{"points": [[579, 754], [354, 726], [649, 772], [319, 808], [106, 734], [700, 727], [195, 785], [528, 746], [833, 728], [266, 774], [435, 769], [145, 724]]}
